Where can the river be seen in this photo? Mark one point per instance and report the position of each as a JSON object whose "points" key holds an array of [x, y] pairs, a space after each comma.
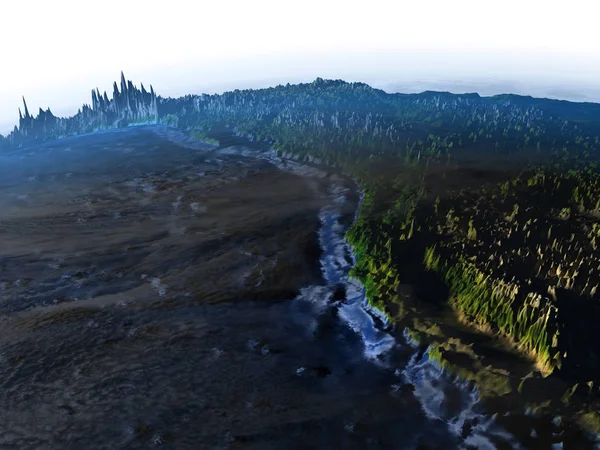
{"points": [[157, 292]]}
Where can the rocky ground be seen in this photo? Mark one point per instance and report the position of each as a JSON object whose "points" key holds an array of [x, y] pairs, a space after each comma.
{"points": [[113, 246]]}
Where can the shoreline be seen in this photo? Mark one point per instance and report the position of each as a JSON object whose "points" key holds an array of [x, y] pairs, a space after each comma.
{"points": [[442, 350], [423, 367], [423, 356]]}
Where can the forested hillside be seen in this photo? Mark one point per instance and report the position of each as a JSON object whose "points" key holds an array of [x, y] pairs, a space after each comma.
{"points": [[484, 206], [484, 209]]}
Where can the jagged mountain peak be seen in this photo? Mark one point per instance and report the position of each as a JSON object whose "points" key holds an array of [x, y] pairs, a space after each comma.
{"points": [[25, 106], [127, 106]]}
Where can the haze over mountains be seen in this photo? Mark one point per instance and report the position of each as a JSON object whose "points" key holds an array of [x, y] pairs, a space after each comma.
{"points": [[544, 75], [128, 106], [132, 106], [71, 101], [453, 214], [233, 44]]}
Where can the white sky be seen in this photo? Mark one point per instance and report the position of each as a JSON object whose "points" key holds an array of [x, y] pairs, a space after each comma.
{"points": [[54, 52]]}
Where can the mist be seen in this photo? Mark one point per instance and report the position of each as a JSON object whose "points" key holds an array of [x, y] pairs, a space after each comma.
{"points": [[64, 50]]}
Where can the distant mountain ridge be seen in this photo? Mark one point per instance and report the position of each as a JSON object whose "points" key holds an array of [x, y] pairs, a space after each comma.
{"points": [[130, 105]]}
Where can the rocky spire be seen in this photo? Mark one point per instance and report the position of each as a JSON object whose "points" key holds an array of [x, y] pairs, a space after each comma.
{"points": [[128, 106], [144, 95], [128, 92], [94, 100], [153, 103], [116, 97], [99, 100], [123, 85], [26, 110]]}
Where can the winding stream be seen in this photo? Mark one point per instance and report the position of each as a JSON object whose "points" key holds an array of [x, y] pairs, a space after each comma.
{"points": [[443, 398], [117, 331]]}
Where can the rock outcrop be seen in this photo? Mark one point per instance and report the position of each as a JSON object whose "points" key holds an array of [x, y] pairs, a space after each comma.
{"points": [[128, 106]]}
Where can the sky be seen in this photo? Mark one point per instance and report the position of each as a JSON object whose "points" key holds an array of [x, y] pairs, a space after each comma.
{"points": [[55, 52]]}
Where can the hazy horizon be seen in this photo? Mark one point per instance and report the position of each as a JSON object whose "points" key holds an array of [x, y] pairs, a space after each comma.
{"points": [[60, 52]]}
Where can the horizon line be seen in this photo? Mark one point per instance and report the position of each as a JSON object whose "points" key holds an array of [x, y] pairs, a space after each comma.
{"points": [[282, 84]]}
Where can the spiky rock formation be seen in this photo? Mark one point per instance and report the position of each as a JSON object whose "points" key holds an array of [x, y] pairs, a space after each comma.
{"points": [[128, 106]]}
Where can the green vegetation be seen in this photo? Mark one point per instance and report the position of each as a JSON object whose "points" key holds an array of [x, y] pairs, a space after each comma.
{"points": [[169, 120], [199, 135], [349, 124], [479, 211], [494, 303], [490, 382], [142, 121]]}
